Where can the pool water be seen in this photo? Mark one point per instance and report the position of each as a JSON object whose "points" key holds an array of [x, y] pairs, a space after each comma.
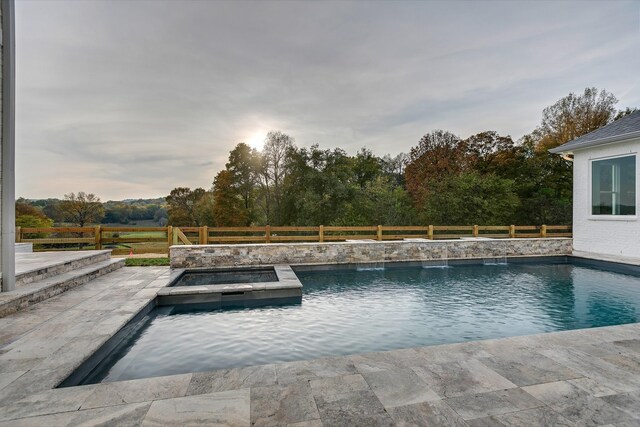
{"points": [[348, 311], [226, 277]]}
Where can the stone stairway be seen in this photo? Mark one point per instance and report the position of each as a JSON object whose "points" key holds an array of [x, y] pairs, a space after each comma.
{"points": [[42, 275]]}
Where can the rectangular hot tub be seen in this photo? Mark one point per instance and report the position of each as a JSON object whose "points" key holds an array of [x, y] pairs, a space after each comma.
{"points": [[226, 276], [245, 286]]}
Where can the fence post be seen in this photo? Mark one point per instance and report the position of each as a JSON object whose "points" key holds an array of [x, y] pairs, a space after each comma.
{"points": [[430, 235], [379, 232], [543, 231], [98, 236], [512, 231], [321, 234], [267, 233], [475, 231], [204, 235], [18, 234], [175, 235], [169, 236]]}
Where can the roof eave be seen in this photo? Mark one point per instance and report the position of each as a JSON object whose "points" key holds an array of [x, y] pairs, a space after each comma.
{"points": [[604, 141]]}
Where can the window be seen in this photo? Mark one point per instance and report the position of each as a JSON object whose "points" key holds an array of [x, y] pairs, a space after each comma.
{"points": [[613, 186]]}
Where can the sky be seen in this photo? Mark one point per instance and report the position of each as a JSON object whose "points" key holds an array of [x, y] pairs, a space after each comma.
{"points": [[130, 99]]}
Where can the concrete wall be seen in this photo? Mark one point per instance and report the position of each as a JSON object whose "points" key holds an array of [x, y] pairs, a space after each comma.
{"points": [[200, 256], [1, 141], [613, 235]]}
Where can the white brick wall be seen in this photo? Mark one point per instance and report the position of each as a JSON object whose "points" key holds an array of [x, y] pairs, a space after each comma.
{"points": [[596, 234]]}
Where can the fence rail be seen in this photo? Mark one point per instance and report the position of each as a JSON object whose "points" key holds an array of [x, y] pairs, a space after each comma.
{"points": [[124, 240]]}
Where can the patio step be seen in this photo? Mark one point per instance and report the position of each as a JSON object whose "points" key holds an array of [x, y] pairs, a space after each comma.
{"points": [[37, 266], [26, 295]]}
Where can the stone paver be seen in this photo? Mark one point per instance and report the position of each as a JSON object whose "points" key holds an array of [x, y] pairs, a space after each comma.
{"points": [[426, 414], [356, 408], [582, 377], [226, 408], [577, 405], [399, 387], [277, 405]]}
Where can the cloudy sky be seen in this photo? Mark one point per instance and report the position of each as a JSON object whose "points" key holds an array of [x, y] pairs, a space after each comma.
{"points": [[130, 99]]}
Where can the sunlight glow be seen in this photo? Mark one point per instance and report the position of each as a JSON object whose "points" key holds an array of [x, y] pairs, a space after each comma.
{"points": [[256, 140]]}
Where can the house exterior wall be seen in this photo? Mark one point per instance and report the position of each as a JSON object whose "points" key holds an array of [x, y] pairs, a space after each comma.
{"points": [[607, 235]]}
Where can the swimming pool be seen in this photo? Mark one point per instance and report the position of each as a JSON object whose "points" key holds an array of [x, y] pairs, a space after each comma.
{"points": [[351, 311]]}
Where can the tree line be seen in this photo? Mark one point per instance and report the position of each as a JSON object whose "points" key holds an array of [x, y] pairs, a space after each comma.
{"points": [[486, 178], [82, 209]]}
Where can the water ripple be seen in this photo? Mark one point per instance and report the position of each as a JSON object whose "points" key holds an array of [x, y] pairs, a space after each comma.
{"points": [[346, 312]]}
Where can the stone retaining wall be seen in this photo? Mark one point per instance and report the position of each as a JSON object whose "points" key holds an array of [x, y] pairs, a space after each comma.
{"points": [[202, 256]]}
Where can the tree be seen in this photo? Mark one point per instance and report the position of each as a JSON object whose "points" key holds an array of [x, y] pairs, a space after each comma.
{"points": [[544, 185], [28, 215], [51, 209], [273, 170], [438, 154], [160, 216], [366, 167], [381, 201], [81, 209], [574, 116], [204, 209], [228, 209], [489, 152], [544, 179], [243, 167], [318, 186], [393, 167], [471, 198], [182, 205]]}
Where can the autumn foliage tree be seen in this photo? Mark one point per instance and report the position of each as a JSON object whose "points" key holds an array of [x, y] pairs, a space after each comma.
{"points": [[573, 116], [438, 154], [228, 206], [486, 178], [28, 215]]}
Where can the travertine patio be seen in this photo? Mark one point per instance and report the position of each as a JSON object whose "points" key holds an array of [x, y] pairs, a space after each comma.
{"points": [[582, 377]]}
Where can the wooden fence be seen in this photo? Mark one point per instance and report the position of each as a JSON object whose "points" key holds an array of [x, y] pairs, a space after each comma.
{"points": [[124, 240]]}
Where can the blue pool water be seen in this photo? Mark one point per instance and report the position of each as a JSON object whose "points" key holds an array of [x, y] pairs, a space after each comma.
{"points": [[345, 312]]}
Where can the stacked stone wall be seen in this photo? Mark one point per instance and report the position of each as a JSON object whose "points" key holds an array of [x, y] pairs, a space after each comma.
{"points": [[203, 256]]}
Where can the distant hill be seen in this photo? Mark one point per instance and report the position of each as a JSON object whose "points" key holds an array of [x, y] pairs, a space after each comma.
{"points": [[139, 212]]}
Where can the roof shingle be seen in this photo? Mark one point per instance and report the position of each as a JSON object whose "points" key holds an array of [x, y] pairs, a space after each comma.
{"points": [[622, 129]]}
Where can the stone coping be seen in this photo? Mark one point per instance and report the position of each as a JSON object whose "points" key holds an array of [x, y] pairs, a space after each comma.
{"points": [[609, 258], [35, 292], [287, 279], [30, 262], [368, 241], [24, 248]]}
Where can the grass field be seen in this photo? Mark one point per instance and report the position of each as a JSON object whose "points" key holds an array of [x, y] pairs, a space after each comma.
{"points": [[138, 248], [140, 223], [146, 262]]}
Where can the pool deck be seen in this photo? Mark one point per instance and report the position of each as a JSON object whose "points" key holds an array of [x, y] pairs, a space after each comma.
{"points": [[582, 377]]}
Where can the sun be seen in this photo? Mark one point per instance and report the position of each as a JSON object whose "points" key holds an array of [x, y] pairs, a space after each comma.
{"points": [[256, 140]]}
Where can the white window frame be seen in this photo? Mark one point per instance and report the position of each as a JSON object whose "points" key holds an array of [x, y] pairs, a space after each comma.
{"points": [[593, 217]]}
